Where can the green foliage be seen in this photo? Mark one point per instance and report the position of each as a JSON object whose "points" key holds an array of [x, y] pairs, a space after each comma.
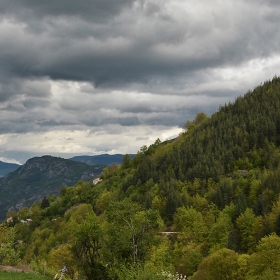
{"points": [[187, 257], [245, 224], [130, 230], [11, 275], [61, 256], [267, 256], [126, 161], [87, 246], [8, 252], [160, 257], [199, 119], [45, 203], [191, 223], [219, 232], [222, 265]]}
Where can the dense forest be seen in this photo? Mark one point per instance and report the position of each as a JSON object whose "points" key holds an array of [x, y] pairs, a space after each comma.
{"points": [[203, 206]]}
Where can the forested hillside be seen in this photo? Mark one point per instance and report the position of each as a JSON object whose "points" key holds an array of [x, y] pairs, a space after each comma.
{"points": [[204, 206], [213, 145]]}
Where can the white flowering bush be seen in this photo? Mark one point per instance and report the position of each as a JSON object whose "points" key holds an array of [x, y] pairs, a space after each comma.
{"points": [[169, 276], [141, 273]]}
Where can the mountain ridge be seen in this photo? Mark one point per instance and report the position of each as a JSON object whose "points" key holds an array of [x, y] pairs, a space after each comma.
{"points": [[40, 177], [105, 159]]}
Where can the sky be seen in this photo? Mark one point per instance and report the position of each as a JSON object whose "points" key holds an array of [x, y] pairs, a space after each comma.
{"points": [[91, 77]]}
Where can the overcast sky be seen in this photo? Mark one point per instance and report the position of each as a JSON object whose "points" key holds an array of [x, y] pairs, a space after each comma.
{"points": [[97, 76]]}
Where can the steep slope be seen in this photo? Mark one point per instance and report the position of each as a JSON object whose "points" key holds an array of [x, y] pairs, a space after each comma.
{"points": [[6, 168], [39, 177], [212, 148]]}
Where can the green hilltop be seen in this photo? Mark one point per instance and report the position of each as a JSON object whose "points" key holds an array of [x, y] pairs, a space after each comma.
{"points": [[203, 206]]}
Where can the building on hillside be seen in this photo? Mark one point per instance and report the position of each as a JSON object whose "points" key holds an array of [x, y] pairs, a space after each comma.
{"points": [[96, 181], [27, 221]]}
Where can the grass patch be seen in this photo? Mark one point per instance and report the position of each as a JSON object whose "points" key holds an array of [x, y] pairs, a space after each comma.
{"points": [[11, 275]]}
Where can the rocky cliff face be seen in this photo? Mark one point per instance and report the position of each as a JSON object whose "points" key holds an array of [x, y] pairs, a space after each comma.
{"points": [[40, 177]]}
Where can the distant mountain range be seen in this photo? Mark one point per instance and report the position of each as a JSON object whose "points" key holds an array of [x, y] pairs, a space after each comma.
{"points": [[22, 185], [104, 159], [6, 168]]}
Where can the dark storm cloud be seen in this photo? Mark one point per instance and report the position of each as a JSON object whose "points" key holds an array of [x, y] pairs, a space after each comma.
{"points": [[35, 103], [53, 123], [21, 126], [92, 10], [100, 119], [113, 44]]}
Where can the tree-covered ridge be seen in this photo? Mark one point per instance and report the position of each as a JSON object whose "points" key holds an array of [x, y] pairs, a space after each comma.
{"points": [[211, 148], [205, 206]]}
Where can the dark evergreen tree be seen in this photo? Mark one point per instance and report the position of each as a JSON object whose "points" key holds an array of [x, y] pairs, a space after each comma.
{"points": [[45, 203], [277, 225]]}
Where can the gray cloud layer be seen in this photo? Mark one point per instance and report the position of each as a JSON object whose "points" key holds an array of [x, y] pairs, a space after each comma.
{"points": [[93, 63], [120, 42]]}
